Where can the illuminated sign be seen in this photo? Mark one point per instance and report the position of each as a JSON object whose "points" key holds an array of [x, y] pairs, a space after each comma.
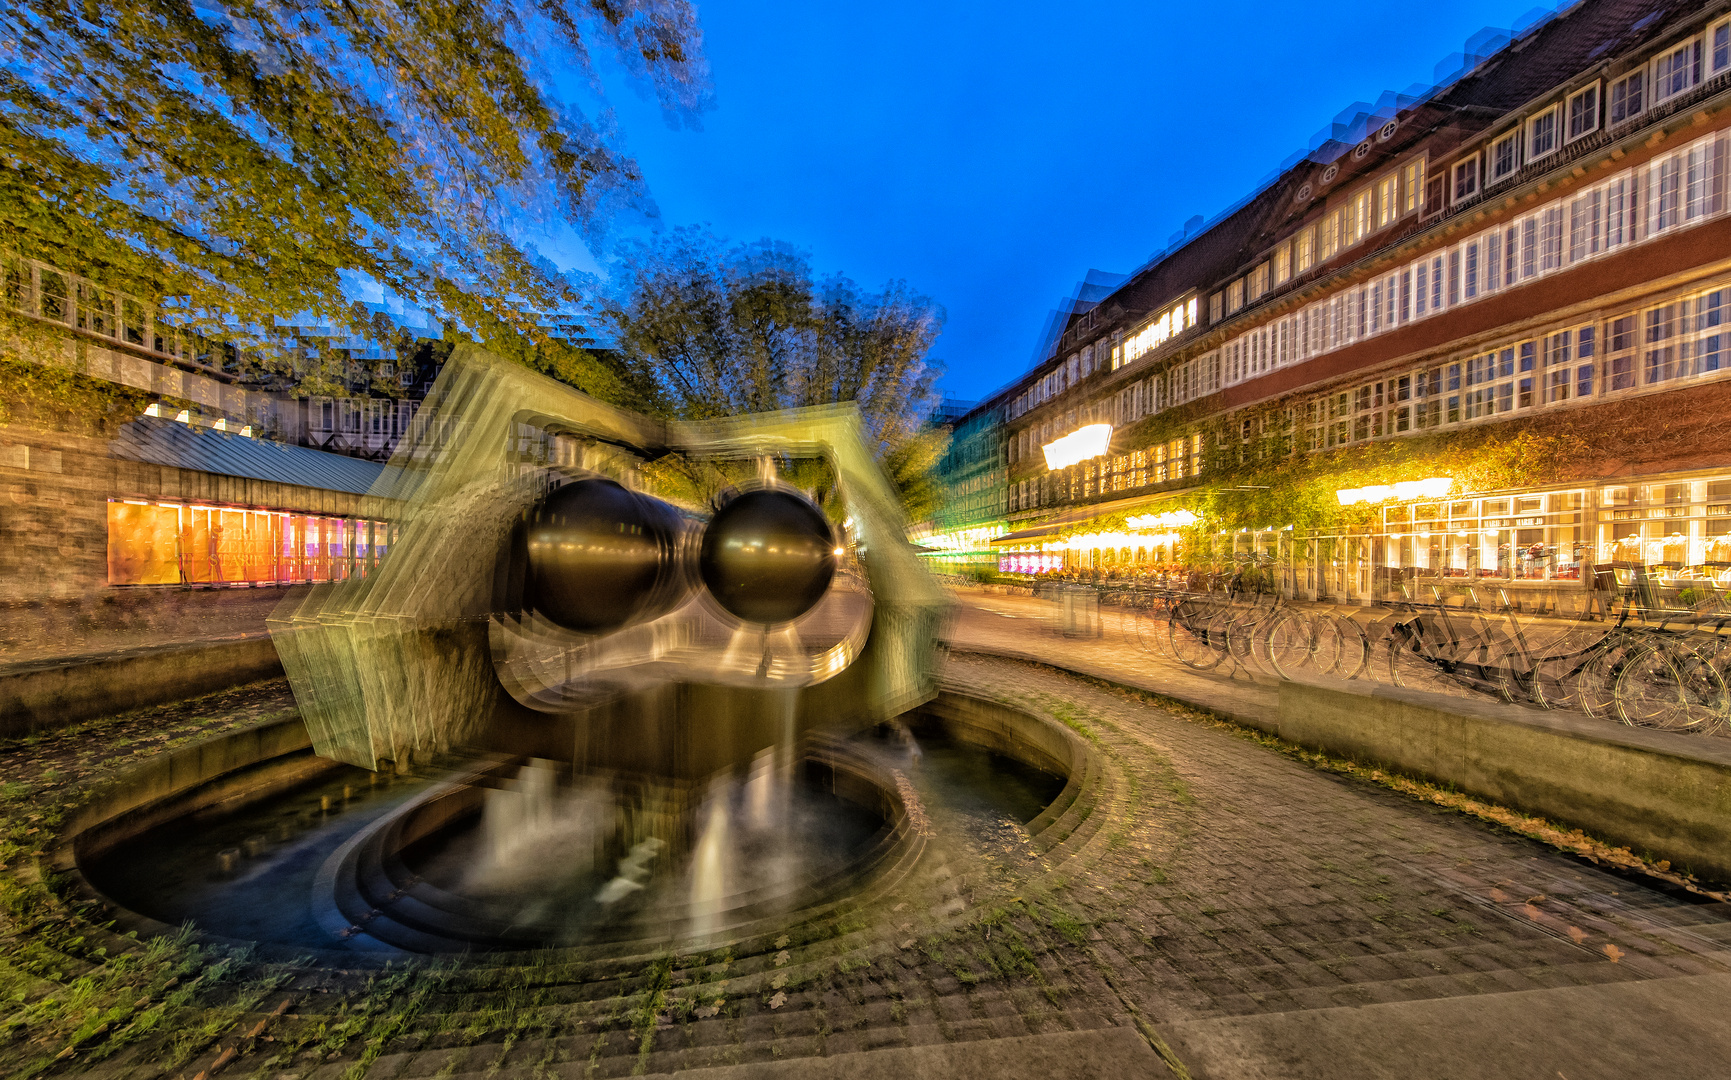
{"points": [[1434, 487], [1170, 323], [1080, 445], [1171, 519]]}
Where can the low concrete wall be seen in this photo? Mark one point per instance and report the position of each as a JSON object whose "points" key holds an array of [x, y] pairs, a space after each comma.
{"points": [[159, 787], [1663, 794], [36, 697]]}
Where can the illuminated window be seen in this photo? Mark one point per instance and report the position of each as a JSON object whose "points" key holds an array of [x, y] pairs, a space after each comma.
{"points": [[173, 544], [1283, 264], [1584, 112], [1412, 186], [1466, 174], [1360, 211], [1387, 200], [1628, 97], [1542, 134], [1304, 250], [1328, 237], [1235, 296], [1258, 282]]}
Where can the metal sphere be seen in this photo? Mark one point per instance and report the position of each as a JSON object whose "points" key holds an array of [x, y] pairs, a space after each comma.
{"points": [[601, 557], [768, 556]]}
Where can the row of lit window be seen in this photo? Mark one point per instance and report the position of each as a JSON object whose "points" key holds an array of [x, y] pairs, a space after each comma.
{"points": [[156, 543], [1690, 337]]}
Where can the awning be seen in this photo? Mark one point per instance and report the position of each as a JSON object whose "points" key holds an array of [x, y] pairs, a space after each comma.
{"points": [[161, 441]]}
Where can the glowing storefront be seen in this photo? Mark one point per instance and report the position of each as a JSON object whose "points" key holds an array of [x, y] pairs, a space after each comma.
{"points": [[179, 544], [271, 538]]}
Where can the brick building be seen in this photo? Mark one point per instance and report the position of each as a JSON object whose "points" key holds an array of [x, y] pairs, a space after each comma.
{"points": [[1544, 238]]}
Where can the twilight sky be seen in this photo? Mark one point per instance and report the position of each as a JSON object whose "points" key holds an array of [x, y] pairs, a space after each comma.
{"points": [[990, 153]]}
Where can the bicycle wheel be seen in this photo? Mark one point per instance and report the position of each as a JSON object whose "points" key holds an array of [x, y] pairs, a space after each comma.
{"points": [[1353, 655], [1289, 644], [1669, 686], [1195, 641], [1243, 626], [1593, 690], [1412, 664], [1151, 631], [1550, 679]]}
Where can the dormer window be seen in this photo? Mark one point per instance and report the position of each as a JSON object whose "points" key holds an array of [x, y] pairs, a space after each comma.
{"points": [[1506, 156], [1584, 112], [1466, 175], [1628, 97], [1676, 71], [1541, 134]]}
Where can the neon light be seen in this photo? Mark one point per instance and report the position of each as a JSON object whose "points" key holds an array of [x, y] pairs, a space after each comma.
{"points": [[1080, 445]]}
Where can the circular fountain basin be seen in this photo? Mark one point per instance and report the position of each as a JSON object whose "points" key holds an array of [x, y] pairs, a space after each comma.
{"points": [[254, 839]]}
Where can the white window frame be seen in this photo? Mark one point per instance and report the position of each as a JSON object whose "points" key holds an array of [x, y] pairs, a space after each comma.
{"points": [[1412, 176], [1454, 185], [1709, 51], [1569, 134], [1387, 212], [1533, 121], [1360, 216], [1512, 139], [1690, 49], [1646, 96], [1304, 250]]}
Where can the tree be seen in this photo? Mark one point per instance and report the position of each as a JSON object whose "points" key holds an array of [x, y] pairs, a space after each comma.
{"points": [[239, 160], [710, 330]]}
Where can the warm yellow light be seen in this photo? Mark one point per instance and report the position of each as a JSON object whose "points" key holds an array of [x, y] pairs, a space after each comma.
{"points": [[1080, 445], [1170, 519], [1434, 487]]}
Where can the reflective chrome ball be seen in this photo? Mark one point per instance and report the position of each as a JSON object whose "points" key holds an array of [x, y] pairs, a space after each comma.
{"points": [[601, 557], [768, 556]]}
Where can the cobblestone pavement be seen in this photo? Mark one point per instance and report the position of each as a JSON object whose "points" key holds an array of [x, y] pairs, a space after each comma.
{"points": [[1248, 914], [1251, 884], [1021, 626]]}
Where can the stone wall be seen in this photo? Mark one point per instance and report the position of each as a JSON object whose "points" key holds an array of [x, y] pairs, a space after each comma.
{"points": [[54, 593], [1663, 794]]}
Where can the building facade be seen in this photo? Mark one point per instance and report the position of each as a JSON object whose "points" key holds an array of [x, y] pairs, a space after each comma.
{"points": [[974, 476], [1544, 240]]}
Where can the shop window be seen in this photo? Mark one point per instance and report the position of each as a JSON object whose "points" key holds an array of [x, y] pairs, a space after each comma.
{"points": [[143, 544]]}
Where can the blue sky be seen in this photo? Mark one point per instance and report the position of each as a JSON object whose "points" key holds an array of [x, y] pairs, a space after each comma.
{"points": [[991, 153]]}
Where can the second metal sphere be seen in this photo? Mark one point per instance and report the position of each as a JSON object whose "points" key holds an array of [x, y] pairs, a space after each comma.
{"points": [[768, 556]]}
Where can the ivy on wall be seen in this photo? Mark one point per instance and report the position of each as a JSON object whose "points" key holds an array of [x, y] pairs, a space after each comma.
{"points": [[1254, 479], [56, 396]]}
